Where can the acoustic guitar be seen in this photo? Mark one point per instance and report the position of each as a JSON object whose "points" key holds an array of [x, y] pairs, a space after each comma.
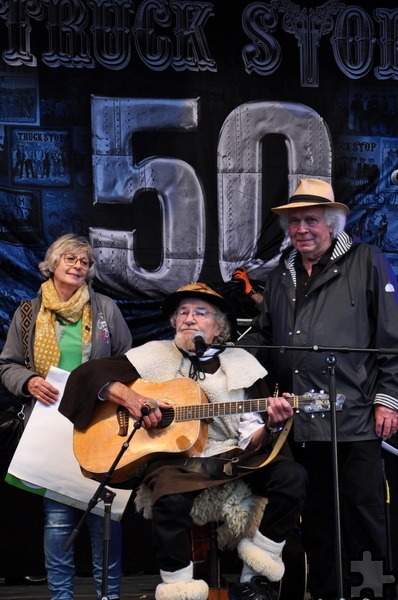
{"points": [[183, 428]]}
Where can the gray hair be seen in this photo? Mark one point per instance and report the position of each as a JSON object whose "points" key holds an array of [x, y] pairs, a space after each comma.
{"points": [[222, 321], [68, 243], [334, 218]]}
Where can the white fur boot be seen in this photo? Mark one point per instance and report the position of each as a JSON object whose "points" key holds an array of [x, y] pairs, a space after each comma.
{"points": [[180, 585], [263, 556]]}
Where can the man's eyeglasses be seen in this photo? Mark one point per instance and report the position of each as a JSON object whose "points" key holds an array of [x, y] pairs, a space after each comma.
{"points": [[70, 260], [197, 313]]}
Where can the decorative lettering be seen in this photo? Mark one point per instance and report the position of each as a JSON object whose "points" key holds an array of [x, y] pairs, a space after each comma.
{"points": [[388, 20], [308, 25], [240, 185], [192, 50], [353, 42], [171, 34], [17, 15], [112, 35], [153, 49], [264, 55], [68, 44], [118, 178]]}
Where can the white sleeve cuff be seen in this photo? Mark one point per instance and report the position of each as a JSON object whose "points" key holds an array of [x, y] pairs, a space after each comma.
{"points": [[101, 390], [387, 401]]}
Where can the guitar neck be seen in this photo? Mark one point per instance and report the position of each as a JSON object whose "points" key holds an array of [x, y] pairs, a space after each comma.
{"points": [[219, 409]]}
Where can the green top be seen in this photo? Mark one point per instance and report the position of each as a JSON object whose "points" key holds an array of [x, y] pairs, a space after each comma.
{"points": [[70, 346]]}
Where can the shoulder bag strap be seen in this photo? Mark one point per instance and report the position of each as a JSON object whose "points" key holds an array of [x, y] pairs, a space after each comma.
{"points": [[26, 313]]}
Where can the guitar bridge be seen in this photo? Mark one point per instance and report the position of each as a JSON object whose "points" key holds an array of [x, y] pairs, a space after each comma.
{"points": [[123, 418]]}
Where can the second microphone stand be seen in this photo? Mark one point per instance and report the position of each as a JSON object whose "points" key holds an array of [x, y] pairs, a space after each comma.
{"points": [[331, 363]]}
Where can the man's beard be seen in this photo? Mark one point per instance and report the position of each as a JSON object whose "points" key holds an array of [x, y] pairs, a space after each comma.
{"points": [[184, 342]]}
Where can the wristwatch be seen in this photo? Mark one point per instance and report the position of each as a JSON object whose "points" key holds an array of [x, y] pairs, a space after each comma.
{"points": [[274, 430]]}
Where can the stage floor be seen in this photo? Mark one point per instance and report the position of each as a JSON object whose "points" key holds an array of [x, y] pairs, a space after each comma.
{"points": [[134, 587]]}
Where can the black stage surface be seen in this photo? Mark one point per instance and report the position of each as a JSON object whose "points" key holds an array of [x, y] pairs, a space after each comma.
{"points": [[134, 587]]}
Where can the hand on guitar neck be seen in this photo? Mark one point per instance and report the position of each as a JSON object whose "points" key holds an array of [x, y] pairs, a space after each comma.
{"points": [[137, 405], [279, 410]]}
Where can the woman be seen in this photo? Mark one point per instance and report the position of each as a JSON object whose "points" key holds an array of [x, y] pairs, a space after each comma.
{"points": [[70, 324]]}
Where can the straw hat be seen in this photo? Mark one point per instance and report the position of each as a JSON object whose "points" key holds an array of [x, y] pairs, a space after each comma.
{"points": [[203, 292], [312, 192]]}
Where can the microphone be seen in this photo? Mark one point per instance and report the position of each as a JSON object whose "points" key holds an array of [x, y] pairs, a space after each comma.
{"points": [[149, 407], [198, 339]]}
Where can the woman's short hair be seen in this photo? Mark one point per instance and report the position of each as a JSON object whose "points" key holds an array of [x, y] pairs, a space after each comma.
{"points": [[70, 243], [334, 217], [222, 321]]}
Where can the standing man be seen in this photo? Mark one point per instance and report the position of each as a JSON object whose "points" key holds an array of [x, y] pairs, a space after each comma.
{"points": [[329, 290]]}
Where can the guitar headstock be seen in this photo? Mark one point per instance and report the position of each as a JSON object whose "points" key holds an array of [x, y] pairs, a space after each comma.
{"points": [[316, 402]]}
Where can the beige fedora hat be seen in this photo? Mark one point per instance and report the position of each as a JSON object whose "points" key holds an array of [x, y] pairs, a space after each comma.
{"points": [[312, 192]]}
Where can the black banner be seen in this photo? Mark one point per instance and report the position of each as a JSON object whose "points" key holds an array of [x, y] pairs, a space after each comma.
{"points": [[166, 130]]}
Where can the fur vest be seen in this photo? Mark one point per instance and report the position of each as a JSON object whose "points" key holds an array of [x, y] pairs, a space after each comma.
{"points": [[162, 361]]}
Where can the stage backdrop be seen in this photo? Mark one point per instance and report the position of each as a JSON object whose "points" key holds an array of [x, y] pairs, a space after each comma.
{"points": [[165, 130]]}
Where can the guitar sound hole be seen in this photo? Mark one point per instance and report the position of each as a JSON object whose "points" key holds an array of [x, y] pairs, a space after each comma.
{"points": [[167, 418]]}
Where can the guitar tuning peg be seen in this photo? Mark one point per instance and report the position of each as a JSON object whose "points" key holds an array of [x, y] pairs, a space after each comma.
{"points": [[321, 391]]}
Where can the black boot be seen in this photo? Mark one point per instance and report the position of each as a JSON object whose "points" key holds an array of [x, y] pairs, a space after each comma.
{"points": [[259, 588]]}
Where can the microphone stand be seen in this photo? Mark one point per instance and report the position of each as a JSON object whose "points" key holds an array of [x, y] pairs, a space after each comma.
{"points": [[107, 496], [331, 363]]}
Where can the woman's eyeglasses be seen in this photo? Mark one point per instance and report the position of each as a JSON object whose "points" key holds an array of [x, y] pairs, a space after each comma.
{"points": [[70, 260]]}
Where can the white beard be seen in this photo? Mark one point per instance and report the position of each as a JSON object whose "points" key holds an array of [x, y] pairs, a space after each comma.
{"points": [[184, 343]]}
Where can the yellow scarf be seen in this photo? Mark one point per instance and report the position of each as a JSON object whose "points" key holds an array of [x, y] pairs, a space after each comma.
{"points": [[46, 348]]}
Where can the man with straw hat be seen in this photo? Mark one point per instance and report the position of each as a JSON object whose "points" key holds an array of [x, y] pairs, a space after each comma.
{"points": [[330, 290], [228, 375]]}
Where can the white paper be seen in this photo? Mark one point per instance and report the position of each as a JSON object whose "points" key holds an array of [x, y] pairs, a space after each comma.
{"points": [[45, 458]]}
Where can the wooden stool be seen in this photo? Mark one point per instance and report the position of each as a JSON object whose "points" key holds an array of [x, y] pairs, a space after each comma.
{"points": [[206, 560], [218, 594]]}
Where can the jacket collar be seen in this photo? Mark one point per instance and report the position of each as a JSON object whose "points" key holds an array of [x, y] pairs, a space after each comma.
{"points": [[342, 246]]}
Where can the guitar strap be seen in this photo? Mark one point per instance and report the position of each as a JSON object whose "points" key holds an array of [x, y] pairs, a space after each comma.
{"points": [[277, 446], [229, 464]]}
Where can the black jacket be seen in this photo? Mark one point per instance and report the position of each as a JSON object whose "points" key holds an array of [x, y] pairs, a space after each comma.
{"points": [[352, 305]]}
